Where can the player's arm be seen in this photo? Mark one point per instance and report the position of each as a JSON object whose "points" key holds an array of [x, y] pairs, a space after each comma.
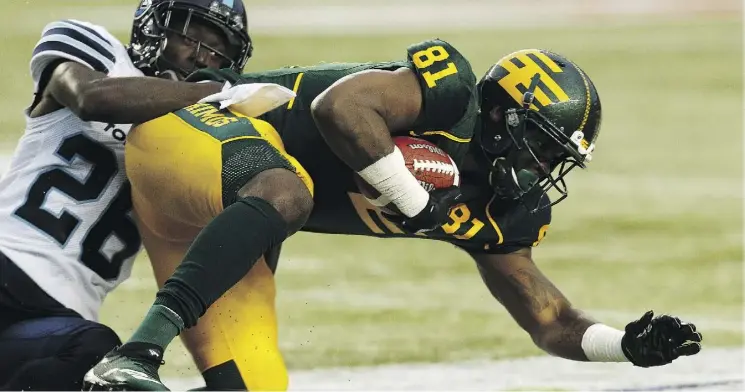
{"points": [[93, 96], [560, 329], [70, 64], [356, 116], [358, 113]]}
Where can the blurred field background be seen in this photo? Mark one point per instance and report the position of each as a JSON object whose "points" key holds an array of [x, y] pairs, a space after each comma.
{"points": [[655, 223]]}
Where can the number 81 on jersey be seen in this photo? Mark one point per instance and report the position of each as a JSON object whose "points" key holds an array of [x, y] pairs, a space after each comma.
{"points": [[460, 225], [429, 57]]}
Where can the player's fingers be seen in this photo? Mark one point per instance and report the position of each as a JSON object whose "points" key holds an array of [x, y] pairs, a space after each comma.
{"points": [[644, 320], [667, 321], [638, 326], [688, 348], [688, 328]]}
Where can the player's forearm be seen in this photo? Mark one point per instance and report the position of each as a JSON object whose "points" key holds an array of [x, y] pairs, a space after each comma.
{"points": [[563, 337], [136, 100], [361, 139]]}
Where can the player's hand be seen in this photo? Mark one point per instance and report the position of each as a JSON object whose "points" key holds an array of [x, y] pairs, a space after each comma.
{"points": [[251, 99], [435, 213], [656, 341]]}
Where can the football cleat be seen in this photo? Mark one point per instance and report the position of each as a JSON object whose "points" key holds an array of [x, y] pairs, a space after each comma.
{"points": [[132, 367]]}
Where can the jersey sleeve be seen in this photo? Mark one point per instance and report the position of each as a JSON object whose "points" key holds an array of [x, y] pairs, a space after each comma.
{"points": [[522, 230], [74, 41], [449, 96], [514, 226]]}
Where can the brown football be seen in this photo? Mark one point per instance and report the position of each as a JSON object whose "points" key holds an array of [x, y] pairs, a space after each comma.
{"points": [[432, 166]]}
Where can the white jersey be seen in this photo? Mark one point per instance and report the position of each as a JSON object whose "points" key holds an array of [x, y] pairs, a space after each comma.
{"points": [[65, 207]]}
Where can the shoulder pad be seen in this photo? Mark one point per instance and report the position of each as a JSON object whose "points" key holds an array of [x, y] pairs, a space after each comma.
{"points": [[77, 41]]}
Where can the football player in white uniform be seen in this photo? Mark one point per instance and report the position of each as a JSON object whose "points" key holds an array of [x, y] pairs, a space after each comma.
{"points": [[67, 236]]}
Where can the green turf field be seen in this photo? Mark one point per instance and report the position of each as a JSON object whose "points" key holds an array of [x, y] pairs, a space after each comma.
{"points": [[654, 224]]}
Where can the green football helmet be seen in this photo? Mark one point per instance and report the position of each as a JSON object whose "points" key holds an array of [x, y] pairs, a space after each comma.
{"points": [[540, 118]]}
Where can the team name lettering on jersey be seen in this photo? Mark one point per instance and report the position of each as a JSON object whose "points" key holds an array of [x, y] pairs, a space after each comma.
{"points": [[210, 115]]}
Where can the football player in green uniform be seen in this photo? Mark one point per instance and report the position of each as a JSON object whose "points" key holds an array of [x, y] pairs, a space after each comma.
{"points": [[515, 135]]}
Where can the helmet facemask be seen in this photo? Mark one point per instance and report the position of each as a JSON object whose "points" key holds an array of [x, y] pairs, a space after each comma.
{"points": [[172, 25], [149, 40], [530, 153]]}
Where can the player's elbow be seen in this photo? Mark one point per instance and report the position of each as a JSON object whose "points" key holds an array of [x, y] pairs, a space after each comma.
{"points": [[88, 101], [339, 108], [78, 88], [327, 109], [91, 101], [85, 107]]}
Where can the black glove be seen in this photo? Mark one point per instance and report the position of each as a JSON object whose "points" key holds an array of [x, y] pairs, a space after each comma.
{"points": [[660, 340], [435, 213]]}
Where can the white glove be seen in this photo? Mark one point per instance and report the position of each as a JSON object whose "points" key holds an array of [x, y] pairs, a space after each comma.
{"points": [[251, 99]]}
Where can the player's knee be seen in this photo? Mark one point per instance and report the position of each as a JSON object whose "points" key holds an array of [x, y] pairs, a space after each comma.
{"points": [[285, 191], [59, 362], [91, 344]]}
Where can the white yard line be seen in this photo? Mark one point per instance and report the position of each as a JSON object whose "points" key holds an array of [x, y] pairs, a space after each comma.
{"points": [[720, 369]]}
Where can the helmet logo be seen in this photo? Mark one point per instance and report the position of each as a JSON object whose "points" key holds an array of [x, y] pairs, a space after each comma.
{"points": [[143, 8], [513, 119], [521, 67]]}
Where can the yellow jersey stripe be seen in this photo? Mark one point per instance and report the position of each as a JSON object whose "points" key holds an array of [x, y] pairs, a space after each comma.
{"points": [[442, 133], [295, 88]]}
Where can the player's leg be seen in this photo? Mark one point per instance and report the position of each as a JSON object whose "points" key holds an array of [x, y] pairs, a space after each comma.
{"points": [[271, 206], [51, 353], [43, 345], [243, 323], [273, 202], [234, 344]]}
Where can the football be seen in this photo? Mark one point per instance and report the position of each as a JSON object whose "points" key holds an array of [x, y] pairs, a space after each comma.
{"points": [[432, 167]]}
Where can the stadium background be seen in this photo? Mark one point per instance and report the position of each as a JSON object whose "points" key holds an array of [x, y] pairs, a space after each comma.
{"points": [[655, 223]]}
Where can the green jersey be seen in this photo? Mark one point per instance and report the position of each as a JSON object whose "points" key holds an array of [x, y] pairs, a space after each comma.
{"points": [[449, 97], [449, 117]]}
